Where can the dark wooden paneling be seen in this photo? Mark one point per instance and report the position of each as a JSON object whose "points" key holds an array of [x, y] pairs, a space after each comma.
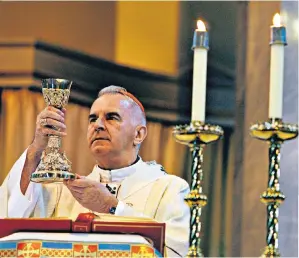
{"points": [[166, 99]]}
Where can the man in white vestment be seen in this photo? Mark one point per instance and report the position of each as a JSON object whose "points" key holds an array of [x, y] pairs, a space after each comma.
{"points": [[121, 183]]}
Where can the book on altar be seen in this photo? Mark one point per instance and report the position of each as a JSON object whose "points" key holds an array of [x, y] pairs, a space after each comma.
{"points": [[148, 228]]}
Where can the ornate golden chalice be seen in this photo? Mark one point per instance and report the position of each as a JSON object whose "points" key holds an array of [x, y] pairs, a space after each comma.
{"points": [[54, 165]]}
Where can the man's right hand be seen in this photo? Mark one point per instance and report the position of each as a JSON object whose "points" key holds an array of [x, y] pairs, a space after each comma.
{"points": [[50, 121]]}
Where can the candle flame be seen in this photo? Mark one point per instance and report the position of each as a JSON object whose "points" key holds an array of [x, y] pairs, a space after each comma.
{"points": [[201, 26], [277, 20]]}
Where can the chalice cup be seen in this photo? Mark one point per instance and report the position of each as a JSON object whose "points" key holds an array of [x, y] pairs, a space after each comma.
{"points": [[54, 165]]}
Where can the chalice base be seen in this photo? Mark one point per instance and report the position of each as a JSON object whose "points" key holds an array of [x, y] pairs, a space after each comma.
{"points": [[51, 176], [54, 165]]}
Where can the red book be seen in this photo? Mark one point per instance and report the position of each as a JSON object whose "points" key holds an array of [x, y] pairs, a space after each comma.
{"points": [[153, 231], [9, 226]]}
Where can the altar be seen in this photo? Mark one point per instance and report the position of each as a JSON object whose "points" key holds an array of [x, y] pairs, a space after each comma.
{"points": [[84, 237], [41, 244]]}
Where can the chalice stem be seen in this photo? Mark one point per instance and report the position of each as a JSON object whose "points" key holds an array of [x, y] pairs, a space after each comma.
{"points": [[54, 142]]}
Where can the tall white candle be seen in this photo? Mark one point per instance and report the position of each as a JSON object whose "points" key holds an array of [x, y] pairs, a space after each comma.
{"points": [[200, 47], [278, 41]]}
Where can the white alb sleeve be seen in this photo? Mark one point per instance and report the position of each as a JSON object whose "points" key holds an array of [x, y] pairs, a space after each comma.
{"points": [[19, 205]]}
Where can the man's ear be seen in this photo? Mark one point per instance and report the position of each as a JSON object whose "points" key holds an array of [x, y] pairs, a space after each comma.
{"points": [[140, 134]]}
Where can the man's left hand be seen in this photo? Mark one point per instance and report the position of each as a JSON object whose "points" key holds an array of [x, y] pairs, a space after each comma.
{"points": [[91, 194]]}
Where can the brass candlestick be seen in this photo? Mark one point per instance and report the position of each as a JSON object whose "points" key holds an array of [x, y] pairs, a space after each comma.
{"points": [[196, 135], [275, 132], [54, 165]]}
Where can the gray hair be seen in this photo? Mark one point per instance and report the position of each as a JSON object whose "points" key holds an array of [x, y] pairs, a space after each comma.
{"points": [[112, 89]]}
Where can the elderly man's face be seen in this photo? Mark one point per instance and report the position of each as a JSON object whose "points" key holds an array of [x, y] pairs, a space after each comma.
{"points": [[111, 127]]}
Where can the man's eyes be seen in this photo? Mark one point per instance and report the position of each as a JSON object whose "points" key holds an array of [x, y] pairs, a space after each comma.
{"points": [[108, 117], [112, 117], [92, 120]]}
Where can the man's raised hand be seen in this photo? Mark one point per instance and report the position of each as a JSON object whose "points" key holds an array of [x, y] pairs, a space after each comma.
{"points": [[50, 121]]}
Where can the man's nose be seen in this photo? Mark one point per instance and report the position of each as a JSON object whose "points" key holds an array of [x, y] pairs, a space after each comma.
{"points": [[99, 125]]}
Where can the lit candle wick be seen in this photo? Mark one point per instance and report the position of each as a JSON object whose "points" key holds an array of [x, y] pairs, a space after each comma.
{"points": [[277, 20], [201, 26]]}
